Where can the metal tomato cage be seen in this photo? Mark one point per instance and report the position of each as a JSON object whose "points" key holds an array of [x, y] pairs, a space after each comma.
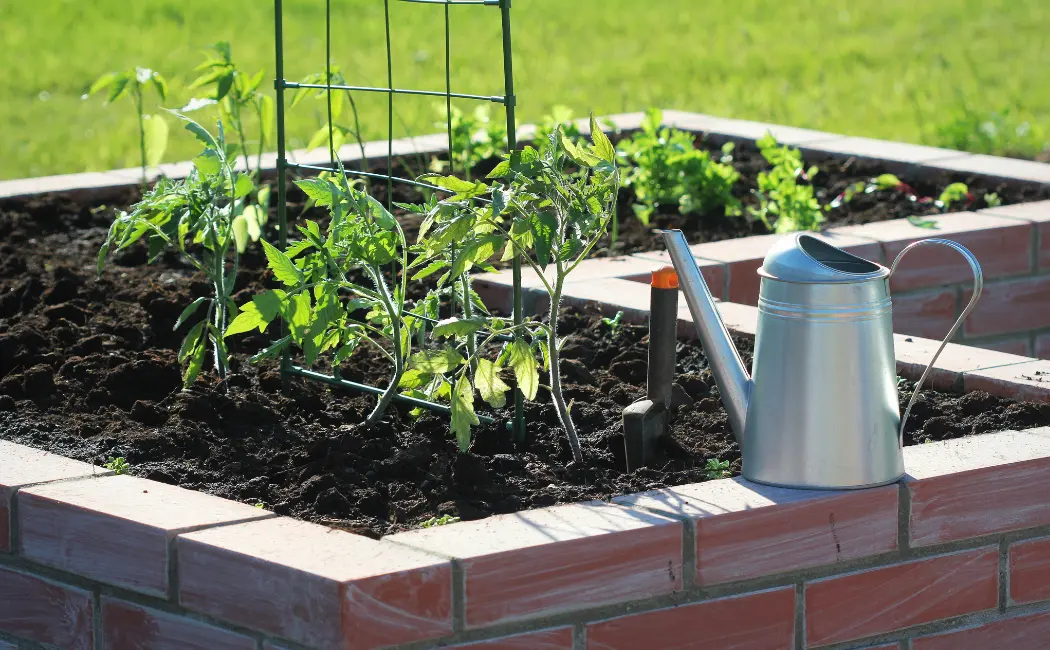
{"points": [[507, 99]]}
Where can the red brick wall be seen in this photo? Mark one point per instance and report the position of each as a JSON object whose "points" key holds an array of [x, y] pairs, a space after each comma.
{"points": [[955, 556]]}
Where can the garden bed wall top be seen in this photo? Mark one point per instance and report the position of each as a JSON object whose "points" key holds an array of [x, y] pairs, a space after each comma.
{"points": [[956, 555]]}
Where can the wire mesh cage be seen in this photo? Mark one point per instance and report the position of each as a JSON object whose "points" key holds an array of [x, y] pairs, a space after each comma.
{"points": [[284, 166]]}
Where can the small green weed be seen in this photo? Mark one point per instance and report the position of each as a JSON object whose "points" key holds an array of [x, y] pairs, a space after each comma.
{"points": [[118, 465], [785, 204], [443, 520], [716, 469], [614, 323], [666, 168]]}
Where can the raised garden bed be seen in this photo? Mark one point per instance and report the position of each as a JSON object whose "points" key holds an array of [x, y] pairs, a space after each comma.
{"points": [[89, 371]]}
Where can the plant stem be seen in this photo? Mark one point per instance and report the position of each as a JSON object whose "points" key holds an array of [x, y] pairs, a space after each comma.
{"points": [[468, 312], [142, 133], [395, 335], [555, 371]]}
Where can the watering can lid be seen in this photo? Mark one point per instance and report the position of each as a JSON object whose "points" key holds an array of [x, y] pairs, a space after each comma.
{"points": [[805, 258]]}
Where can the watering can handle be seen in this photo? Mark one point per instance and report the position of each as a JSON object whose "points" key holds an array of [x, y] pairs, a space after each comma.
{"points": [[978, 285]]}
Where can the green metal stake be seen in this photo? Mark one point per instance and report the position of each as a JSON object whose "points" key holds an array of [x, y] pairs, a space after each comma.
{"points": [[512, 143], [282, 162]]}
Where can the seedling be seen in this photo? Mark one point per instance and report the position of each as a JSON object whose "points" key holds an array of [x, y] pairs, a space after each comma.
{"points": [[785, 204], [556, 217], [666, 169], [118, 465], [614, 323], [716, 469], [954, 193], [443, 520], [203, 217], [236, 93], [153, 130]]}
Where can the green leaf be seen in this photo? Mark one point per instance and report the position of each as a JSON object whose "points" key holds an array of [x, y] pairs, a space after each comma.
{"points": [[160, 85], [119, 87], [886, 181], [526, 371], [156, 132], [575, 153], [249, 319], [430, 269], [283, 268], [602, 146], [544, 230], [240, 232], [243, 186], [413, 379], [435, 362], [191, 340], [208, 163], [463, 416], [919, 222], [463, 189], [500, 170], [102, 82], [458, 327], [198, 131], [189, 311], [266, 117], [196, 362], [321, 191], [489, 385], [256, 218]]}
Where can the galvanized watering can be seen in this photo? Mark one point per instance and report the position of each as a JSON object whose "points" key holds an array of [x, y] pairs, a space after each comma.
{"points": [[820, 408]]}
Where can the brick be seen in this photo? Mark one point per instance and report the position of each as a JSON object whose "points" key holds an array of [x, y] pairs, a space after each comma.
{"points": [[914, 353], [1014, 306], [980, 485], [1037, 213], [1009, 168], [557, 639], [1013, 346], [578, 555], [116, 530], [1021, 633], [1030, 571], [1002, 245], [314, 585], [745, 530], [883, 150], [759, 621], [891, 598], [925, 314], [1023, 382], [743, 257], [22, 466], [744, 129], [131, 627], [714, 273], [45, 611]]}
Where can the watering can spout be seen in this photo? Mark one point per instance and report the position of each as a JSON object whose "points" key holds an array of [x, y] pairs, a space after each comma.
{"points": [[732, 378]]}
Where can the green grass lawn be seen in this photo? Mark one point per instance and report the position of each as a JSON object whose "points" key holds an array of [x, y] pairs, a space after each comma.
{"points": [[895, 69]]}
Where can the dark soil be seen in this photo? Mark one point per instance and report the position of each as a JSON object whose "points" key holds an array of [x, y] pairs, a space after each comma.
{"points": [[88, 370]]}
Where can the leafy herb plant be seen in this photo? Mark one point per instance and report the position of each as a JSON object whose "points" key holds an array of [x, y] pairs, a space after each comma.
{"points": [[666, 168], [716, 469], [785, 203], [203, 218], [118, 465], [153, 130]]}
